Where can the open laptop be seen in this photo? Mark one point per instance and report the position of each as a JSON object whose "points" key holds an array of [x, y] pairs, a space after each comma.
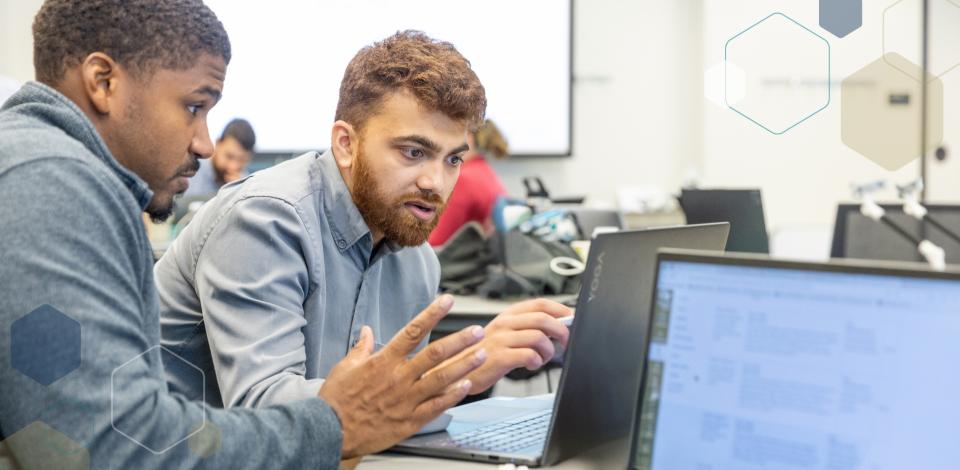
{"points": [[761, 364], [603, 363]]}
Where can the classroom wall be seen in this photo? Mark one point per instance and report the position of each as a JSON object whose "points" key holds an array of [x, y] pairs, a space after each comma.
{"points": [[806, 171]]}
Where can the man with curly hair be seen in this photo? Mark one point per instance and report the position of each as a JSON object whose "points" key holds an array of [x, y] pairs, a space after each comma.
{"points": [[113, 127], [334, 245]]}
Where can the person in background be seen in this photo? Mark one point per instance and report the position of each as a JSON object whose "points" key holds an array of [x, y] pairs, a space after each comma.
{"points": [[335, 244], [230, 158], [478, 187]]}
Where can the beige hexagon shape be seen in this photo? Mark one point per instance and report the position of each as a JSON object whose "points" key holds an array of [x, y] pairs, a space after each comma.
{"points": [[206, 442], [42, 447], [880, 111]]}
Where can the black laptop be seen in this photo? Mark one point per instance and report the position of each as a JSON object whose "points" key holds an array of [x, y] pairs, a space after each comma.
{"points": [[603, 362]]}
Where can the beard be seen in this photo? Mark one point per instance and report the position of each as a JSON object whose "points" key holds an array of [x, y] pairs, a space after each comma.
{"points": [[389, 215]]}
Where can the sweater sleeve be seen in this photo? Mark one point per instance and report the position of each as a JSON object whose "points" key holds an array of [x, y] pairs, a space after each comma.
{"points": [[69, 251]]}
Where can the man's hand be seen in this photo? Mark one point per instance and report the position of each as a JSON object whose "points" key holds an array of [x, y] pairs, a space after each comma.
{"points": [[383, 398], [520, 336]]}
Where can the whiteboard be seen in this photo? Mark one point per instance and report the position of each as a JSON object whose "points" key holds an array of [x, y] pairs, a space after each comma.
{"points": [[289, 57]]}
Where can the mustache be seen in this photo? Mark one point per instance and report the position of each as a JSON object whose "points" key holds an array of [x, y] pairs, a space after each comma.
{"points": [[428, 197], [190, 167]]}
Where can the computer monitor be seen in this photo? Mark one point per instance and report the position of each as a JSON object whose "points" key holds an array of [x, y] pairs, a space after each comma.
{"points": [[856, 236], [743, 208], [760, 364]]}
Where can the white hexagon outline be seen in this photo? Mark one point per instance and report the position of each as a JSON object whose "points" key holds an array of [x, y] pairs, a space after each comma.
{"points": [[883, 44], [68, 317], [829, 71], [203, 396]]}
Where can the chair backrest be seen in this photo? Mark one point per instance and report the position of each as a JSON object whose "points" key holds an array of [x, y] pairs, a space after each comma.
{"points": [[743, 208], [856, 236]]}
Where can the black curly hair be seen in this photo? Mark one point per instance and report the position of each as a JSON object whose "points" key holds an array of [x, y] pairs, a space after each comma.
{"points": [[142, 35]]}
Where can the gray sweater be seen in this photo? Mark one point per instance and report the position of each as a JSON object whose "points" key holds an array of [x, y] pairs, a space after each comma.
{"points": [[81, 370]]}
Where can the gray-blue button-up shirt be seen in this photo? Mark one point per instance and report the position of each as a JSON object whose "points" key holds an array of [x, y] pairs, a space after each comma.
{"points": [[269, 285]]}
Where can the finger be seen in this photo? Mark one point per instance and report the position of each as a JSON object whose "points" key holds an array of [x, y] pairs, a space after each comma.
{"points": [[554, 309], [543, 322], [533, 340], [407, 339], [433, 406], [441, 350], [364, 347], [440, 378]]}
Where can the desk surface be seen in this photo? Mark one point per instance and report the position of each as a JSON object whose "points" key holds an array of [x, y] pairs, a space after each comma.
{"points": [[612, 455]]}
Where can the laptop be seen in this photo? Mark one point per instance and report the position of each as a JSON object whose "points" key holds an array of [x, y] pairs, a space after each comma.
{"points": [[743, 208], [761, 364], [602, 364]]}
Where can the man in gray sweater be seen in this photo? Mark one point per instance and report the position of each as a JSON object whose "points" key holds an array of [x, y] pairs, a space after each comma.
{"points": [[113, 128]]}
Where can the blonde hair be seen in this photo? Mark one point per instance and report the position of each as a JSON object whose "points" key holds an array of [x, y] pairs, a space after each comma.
{"points": [[490, 141]]}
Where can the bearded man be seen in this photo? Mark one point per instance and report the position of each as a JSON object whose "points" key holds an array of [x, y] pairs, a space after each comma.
{"points": [[277, 277]]}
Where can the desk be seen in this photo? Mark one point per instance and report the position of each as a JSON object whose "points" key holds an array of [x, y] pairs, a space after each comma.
{"points": [[612, 455], [475, 310]]}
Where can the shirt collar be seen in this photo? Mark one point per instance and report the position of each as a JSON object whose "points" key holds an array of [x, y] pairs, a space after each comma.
{"points": [[58, 110], [346, 223]]}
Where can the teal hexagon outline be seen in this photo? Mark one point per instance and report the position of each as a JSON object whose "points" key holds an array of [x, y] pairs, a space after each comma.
{"points": [[883, 43], [829, 72]]}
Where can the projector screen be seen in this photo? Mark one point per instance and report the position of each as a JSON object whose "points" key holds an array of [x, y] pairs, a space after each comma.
{"points": [[289, 57]]}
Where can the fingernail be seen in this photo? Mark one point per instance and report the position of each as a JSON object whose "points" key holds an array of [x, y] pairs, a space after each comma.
{"points": [[446, 300], [480, 355], [466, 385], [477, 332]]}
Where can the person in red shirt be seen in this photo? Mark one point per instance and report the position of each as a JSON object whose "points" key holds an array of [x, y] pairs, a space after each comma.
{"points": [[477, 188]]}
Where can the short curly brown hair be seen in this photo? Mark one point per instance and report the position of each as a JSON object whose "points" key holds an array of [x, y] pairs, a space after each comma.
{"points": [[142, 35], [433, 71]]}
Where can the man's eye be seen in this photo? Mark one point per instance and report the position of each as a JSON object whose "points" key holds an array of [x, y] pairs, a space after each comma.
{"points": [[412, 153], [456, 160], [194, 109]]}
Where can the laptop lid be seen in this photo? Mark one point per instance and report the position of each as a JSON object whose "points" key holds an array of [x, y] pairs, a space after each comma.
{"points": [[743, 208], [755, 363], [604, 361]]}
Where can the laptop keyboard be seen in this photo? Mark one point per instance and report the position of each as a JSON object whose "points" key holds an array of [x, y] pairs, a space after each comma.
{"points": [[507, 436]]}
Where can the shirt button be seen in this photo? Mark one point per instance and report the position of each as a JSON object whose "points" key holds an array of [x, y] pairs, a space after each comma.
{"points": [[341, 244]]}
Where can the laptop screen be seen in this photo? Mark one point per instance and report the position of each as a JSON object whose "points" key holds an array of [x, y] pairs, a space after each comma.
{"points": [[765, 367]]}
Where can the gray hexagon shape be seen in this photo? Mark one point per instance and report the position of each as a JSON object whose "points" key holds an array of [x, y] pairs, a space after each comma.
{"points": [[880, 109], [788, 72], [45, 345], [902, 34], [39, 446], [155, 448], [841, 17]]}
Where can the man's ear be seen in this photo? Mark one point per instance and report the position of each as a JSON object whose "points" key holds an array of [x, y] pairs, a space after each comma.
{"points": [[99, 75], [345, 144]]}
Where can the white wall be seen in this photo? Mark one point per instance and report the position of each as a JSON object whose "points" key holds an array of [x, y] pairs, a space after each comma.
{"points": [[16, 40], [806, 171], [637, 100]]}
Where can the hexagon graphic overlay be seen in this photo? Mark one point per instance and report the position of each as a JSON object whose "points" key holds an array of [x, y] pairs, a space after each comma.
{"points": [[880, 111], [715, 86], [902, 34], [787, 67], [45, 345], [123, 403], [841, 17], [39, 446]]}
